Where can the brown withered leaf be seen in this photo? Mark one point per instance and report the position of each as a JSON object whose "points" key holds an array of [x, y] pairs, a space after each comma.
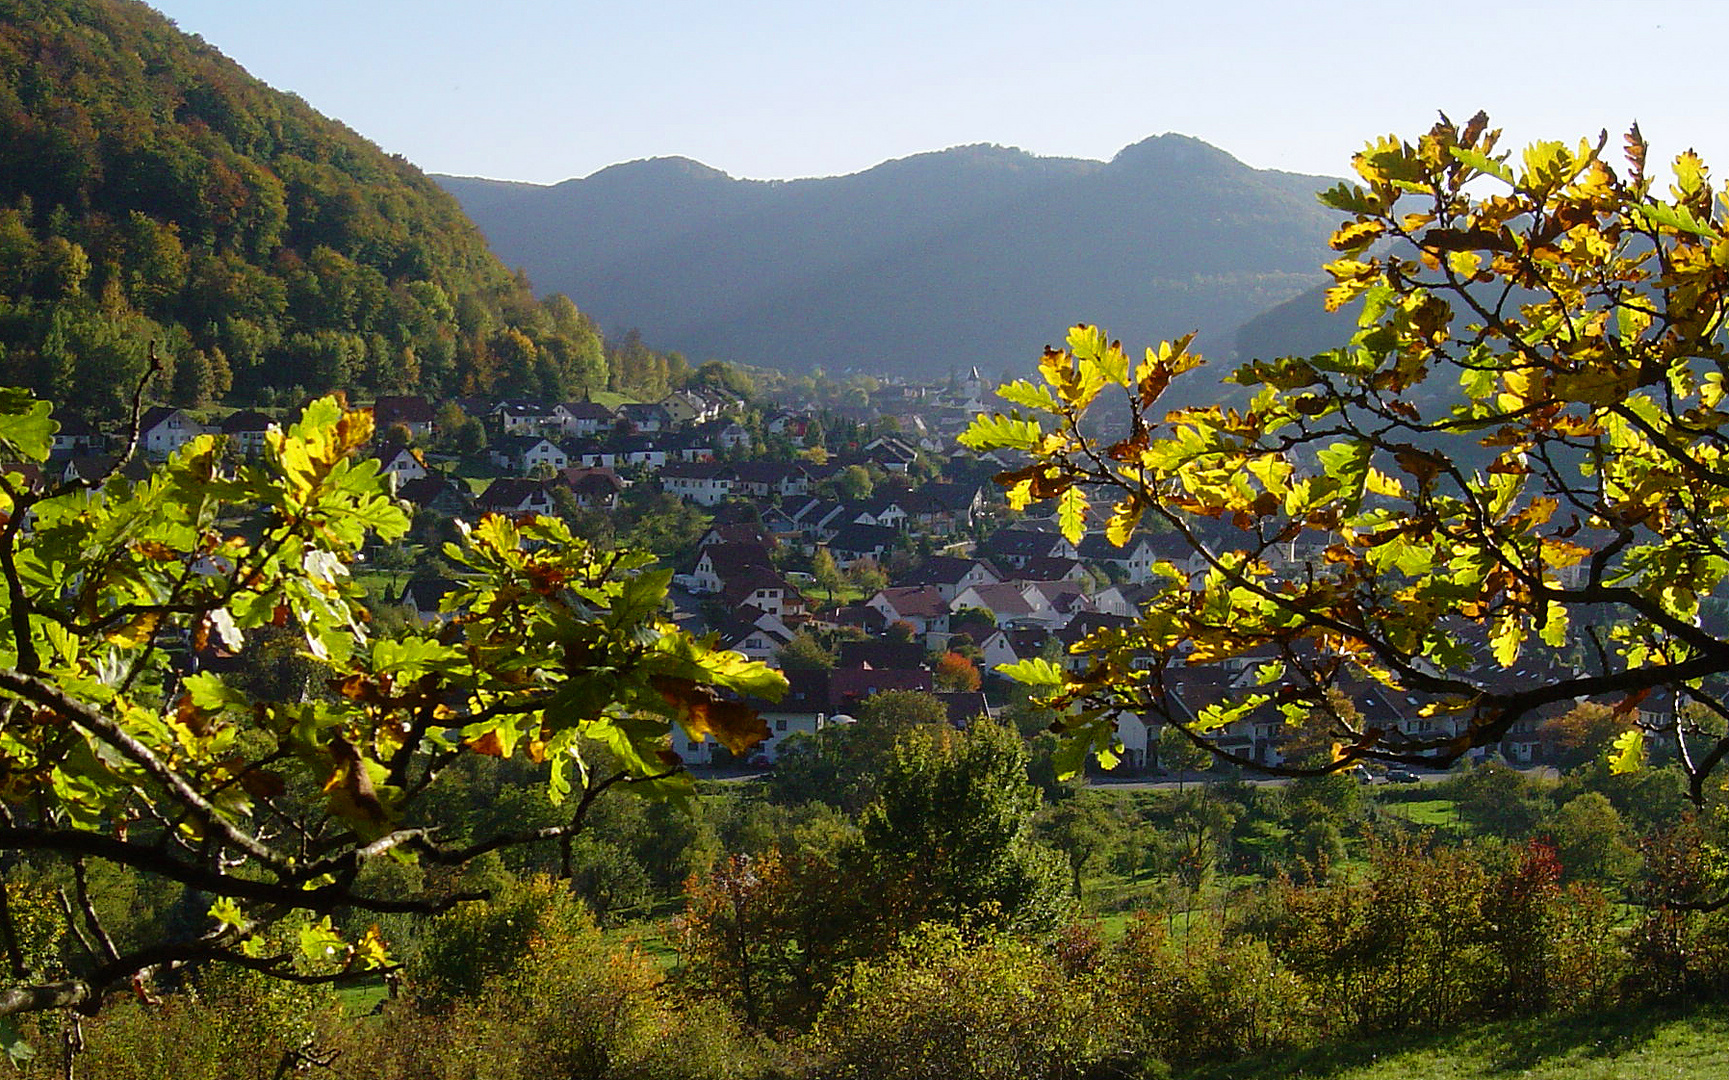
{"points": [[1466, 240], [1011, 477], [364, 689], [1154, 385], [1046, 486], [350, 786], [1419, 464], [1474, 128], [737, 726], [1629, 705], [197, 721], [263, 784], [155, 549], [488, 745]]}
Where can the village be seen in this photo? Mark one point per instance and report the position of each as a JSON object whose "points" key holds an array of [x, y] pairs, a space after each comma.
{"points": [[884, 560]]}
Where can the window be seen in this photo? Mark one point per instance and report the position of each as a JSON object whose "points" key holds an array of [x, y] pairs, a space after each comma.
{"points": [[780, 725]]}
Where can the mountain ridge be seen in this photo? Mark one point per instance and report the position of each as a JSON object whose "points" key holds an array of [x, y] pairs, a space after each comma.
{"points": [[991, 247]]}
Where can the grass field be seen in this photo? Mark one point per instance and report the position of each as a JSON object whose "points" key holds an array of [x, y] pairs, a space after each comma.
{"points": [[1622, 1045], [1433, 813]]}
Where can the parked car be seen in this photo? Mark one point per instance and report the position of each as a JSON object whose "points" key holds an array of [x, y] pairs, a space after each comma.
{"points": [[1402, 776]]}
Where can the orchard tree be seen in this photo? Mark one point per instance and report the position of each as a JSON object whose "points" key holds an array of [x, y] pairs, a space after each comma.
{"points": [[1524, 449], [118, 746]]}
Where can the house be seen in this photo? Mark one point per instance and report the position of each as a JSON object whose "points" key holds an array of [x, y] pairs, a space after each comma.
{"points": [[703, 484], [769, 479], [1135, 559], [890, 452], [400, 465], [737, 532], [884, 510], [717, 562], [1053, 569], [582, 418], [687, 407], [593, 454], [817, 519], [688, 446], [593, 489], [922, 606], [162, 431], [1012, 548], [951, 506], [949, 574], [1066, 599], [74, 437], [521, 417], [760, 635], [854, 543], [881, 653], [1046, 605], [644, 417], [761, 588], [245, 431], [437, 495], [516, 495], [792, 425], [93, 467], [732, 435], [410, 411], [424, 597], [644, 450], [524, 454]]}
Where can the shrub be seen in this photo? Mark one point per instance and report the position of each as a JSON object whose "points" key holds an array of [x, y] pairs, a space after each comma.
{"points": [[943, 1008], [1202, 997]]}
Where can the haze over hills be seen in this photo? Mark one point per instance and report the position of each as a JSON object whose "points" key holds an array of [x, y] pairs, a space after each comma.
{"points": [[973, 255]]}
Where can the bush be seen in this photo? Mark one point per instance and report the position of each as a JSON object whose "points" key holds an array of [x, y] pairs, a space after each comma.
{"points": [[228, 1025], [556, 998], [1203, 997], [942, 1008]]}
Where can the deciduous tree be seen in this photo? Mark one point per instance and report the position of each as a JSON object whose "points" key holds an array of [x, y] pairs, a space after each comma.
{"points": [[117, 744], [1523, 450]]}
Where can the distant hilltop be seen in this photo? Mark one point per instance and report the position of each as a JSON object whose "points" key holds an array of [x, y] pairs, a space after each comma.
{"points": [[973, 255]]}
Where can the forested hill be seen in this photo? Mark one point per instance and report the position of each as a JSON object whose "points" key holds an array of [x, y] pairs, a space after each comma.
{"points": [[151, 189], [977, 254]]}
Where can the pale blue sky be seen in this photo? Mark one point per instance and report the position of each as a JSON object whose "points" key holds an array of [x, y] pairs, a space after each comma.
{"points": [[543, 90]]}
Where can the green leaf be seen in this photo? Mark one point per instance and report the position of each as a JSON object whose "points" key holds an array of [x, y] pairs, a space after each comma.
{"points": [[320, 944], [1505, 639], [1033, 672], [27, 426], [18, 1052], [411, 656], [1022, 392], [1072, 514], [1070, 756], [227, 912], [1678, 218], [1627, 754], [1001, 432], [1483, 163], [1087, 342], [1348, 463]]}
